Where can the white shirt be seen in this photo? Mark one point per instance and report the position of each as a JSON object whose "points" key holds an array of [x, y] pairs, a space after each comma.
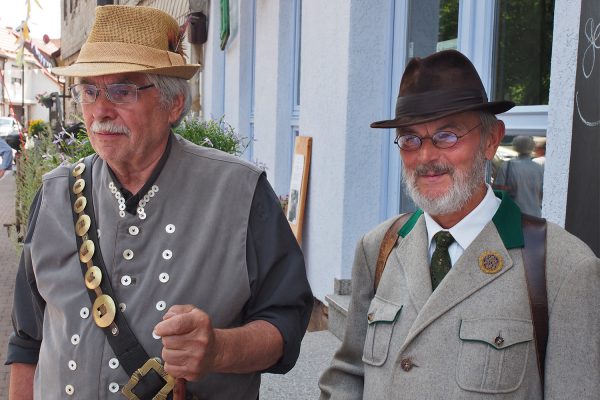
{"points": [[467, 229]]}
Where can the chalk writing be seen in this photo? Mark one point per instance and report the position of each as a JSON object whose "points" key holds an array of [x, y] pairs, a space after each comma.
{"points": [[592, 34]]}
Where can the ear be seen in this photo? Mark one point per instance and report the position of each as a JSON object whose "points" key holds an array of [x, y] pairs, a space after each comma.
{"points": [[494, 139], [176, 109]]}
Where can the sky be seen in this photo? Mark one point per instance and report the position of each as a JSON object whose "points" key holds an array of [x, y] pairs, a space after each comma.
{"points": [[45, 20]]}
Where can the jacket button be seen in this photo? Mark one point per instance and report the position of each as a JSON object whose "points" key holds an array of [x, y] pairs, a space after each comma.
{"points": [[370, 317], [499, 341], [406, 364]]}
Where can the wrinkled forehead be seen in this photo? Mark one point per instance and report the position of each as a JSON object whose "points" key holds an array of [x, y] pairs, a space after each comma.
{"points": [[456, 122], [131, 77]]}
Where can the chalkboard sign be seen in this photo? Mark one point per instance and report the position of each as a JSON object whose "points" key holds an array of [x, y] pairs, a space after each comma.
{"points": [[583, 198]]}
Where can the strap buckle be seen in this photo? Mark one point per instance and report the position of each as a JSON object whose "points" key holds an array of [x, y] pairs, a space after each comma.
{"points": [[154, 364]]}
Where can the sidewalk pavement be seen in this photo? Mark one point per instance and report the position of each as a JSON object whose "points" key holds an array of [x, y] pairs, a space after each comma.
{"points": [[299, 384], [8, 264]]}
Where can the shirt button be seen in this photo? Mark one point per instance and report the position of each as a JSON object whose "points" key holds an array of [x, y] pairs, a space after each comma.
{"points": [[128, 254], [170, 228], [122, 307], [72, 365], [406, 364], [161, 305], [164, 277], [125, 280], [113, 363], [84, 312], [155, 336], [69, 389], [75, 339], [167, 254], [113, 387], [134, 230]]}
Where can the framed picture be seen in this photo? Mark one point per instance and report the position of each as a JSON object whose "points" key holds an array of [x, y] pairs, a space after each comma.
{"points": [[299, 184]]}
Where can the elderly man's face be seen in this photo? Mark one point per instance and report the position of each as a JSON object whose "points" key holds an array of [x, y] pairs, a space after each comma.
{"points": [[446, 181], [128, 136]]}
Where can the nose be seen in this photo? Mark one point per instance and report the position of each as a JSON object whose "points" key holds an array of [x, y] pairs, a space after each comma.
{"points": [[427, 152], [103, 108]]}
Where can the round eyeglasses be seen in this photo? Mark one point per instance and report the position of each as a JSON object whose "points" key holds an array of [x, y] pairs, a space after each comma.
{"points": [[118, 93], [440, 139]]}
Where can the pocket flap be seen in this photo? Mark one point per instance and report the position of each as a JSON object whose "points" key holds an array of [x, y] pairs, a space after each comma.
{"points": [[497, 332], [382, 310]]}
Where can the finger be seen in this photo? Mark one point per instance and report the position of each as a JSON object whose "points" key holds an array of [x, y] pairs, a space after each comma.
{"points": [[182, 372], [188, 341], [179, 309], [181, 324], [180, 358]]}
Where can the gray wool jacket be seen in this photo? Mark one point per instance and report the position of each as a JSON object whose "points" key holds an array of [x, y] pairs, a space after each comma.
{"points": [[405, 342]]}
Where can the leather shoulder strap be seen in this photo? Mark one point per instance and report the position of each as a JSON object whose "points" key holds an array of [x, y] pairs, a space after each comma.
{"points": [[127, 348], [387, 244], [534, 260]]}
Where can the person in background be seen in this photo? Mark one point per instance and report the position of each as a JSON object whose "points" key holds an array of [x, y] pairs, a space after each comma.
{"points": [[7, 158], [522, 178], [539, 152]]}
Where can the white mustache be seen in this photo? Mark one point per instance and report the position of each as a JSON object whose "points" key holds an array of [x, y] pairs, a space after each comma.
{"points": [[110, 127]]}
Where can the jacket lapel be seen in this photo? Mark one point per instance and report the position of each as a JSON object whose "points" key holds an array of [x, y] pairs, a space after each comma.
{"points": [[411, 255], [465, 278]]}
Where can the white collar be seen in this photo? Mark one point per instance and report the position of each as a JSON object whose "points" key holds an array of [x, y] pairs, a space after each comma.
{"points": [[472, 224]]}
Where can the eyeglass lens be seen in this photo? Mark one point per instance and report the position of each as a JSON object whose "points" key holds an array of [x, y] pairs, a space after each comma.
{"points": [[117, 93], [441, 139]]}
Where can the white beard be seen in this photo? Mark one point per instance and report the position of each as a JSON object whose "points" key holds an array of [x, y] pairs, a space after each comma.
{"points": [[464, 185]]}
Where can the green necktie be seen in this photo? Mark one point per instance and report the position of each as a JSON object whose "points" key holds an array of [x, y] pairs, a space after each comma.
{"points": [[440, 261]]}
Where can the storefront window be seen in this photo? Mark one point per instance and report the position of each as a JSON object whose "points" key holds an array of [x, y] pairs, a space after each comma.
{"points": [[523, 51]]}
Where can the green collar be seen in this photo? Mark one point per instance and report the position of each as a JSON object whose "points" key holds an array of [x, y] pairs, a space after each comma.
{"points": [[507, 220]]}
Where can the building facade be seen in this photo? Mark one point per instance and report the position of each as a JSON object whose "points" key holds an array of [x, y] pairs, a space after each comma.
{"points": [[328, 69], [23, 83]]}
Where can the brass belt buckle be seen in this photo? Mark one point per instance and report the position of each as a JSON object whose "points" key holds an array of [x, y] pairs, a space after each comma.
{"points": [[152, 364]]}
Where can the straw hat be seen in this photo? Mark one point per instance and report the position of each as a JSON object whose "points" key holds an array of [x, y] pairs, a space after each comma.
{"points": [[131, 39], [434, 87]]}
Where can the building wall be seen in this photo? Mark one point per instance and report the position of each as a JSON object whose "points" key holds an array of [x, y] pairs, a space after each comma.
{"points": [[346, 70], [76, 25], [560, 114]]}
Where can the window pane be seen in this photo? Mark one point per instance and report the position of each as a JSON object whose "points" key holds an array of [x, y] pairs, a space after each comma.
{"points": [[433, 26], [523, 50]]}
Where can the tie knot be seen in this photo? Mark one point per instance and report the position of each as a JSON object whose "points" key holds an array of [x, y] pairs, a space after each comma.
{"points": [[443, 239]]}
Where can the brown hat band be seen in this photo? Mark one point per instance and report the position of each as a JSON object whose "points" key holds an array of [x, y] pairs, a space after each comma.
{"points": [[127, 53], [438, 101]]}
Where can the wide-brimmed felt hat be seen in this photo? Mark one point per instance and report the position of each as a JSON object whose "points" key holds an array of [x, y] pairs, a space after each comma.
{"points": [[131, 39], [434, 87]]}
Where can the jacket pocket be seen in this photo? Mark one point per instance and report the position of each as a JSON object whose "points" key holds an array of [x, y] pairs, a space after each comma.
{"points": [[493, 354], [381, 319]]}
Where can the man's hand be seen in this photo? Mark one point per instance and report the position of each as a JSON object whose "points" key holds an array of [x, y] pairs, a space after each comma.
{"points": [[189, 345], [192, 347]]}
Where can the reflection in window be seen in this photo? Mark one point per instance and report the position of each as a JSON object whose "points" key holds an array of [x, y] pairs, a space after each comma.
{"points": [[523, 51], [433, 26]]}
